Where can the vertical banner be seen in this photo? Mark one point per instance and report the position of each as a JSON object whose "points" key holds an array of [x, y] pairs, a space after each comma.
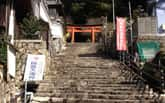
{"points": [[121, 34], [11, 57]]}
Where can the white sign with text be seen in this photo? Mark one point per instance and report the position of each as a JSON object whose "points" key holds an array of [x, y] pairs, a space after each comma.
{"points": [[34, 69]]}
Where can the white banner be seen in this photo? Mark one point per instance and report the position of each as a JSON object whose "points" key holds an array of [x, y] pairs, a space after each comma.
{"points": [[11, 61], [11, 57], [34, 69], [43, 13], [56, 30]]}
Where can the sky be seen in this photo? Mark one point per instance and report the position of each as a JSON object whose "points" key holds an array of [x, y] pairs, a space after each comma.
{"points": [[160, 12]]}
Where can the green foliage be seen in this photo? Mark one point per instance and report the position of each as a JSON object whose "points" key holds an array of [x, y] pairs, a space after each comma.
{"points": [[3, 52], [30, 27], [83, 9], [91, 8], [3, 47], [104, 6], [76, 7]]}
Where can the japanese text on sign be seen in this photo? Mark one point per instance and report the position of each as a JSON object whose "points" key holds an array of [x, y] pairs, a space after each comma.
{"points": [[121, 34], [34, 67]]}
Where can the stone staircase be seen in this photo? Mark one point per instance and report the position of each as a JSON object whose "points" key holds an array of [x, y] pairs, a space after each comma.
{"points": [[81, 76]]}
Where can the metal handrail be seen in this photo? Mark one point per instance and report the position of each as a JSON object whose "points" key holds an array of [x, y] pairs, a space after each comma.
{"points": [[140, 71]]}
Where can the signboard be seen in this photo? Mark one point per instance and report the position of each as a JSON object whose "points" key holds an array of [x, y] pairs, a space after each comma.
{"points": [[147, 26], [11, 57], [34, 69], [147, 50], [56, 30], [121, 34]]}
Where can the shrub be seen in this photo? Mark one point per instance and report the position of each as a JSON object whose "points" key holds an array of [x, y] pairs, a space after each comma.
{"points": [[30, 27]]}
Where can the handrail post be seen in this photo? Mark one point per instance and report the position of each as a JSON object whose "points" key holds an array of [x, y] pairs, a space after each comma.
{"points": [[25, 91], [93, 35], [73, 35], [162, 75]]}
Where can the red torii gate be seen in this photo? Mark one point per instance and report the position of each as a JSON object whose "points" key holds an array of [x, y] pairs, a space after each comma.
{"points": [[83, 28]]}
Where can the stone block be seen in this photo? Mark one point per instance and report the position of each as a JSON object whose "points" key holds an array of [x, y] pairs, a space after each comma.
{"points": [[30, 45], [18, 45], [1, 66]]}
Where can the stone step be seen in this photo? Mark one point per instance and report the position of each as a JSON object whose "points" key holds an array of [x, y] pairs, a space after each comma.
{"points": [[104, 81], [79, 83], [90, 70], [87, 85], [88, 90], [96, 96], [96, 88], [93, 78], [84, 63], [87, 81], [74, 67], [64, 75], [86, 72], [78, 66], [83, 71], [92, 81], [83, 100], [92, 88], [89, 77]]}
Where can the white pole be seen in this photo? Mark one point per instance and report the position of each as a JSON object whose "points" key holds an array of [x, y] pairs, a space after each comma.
{"points": [[113, 3], [130, 13], [11, 57], [25, 91]]}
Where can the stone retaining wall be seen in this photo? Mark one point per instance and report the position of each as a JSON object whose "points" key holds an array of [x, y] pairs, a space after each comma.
{"points": [[2, 93], [27, 47], [5, 86]]}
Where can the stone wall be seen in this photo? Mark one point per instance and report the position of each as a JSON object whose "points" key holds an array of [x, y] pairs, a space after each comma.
{"points": [[2, 83], [5, 86], [27, 47]]}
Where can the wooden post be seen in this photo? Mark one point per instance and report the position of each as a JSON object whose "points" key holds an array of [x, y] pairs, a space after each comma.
{"points": [[73, 34], [93, 35]]}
